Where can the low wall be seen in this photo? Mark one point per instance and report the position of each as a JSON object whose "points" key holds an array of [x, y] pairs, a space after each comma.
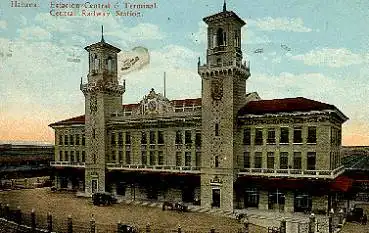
{"points": [[12, 227]]}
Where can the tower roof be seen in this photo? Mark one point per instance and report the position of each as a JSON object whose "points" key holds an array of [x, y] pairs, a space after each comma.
{"points": [[224, 15], [102, 44]]}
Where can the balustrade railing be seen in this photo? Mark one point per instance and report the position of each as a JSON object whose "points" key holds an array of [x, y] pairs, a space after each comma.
{"points": [[117, 166], [292, 172], [67, 164]]}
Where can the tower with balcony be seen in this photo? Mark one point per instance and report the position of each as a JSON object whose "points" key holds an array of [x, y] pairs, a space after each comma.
{"points": [[103, 98], [223, 93]]}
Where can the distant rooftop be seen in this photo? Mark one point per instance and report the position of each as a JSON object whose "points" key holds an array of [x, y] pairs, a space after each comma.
{"points": [[25, 143]]}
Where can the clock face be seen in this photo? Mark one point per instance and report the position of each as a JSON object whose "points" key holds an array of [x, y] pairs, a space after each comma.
{"points": [[152, 105]]}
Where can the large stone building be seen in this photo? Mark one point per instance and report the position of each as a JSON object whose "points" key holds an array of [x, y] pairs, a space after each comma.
{"points": [[228, 149]]}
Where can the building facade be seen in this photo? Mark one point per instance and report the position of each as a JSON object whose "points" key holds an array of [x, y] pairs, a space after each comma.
{"points": [[228, 149], [22, 164]]}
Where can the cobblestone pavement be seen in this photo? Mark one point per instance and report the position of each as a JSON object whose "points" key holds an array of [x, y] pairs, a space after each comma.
{"points": [[355, 228], [81, 209]]}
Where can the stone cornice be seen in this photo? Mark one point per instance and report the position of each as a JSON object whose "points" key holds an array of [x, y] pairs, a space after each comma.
{"points": [[105, 87]]}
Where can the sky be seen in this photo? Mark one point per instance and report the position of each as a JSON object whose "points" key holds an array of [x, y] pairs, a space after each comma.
{"points": [[318, 49]]}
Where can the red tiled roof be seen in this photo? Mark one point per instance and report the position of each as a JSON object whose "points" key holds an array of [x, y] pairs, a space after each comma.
{"points": [[70, 121], [298, 104], [130, 106], [187, 102], [127, 107]]}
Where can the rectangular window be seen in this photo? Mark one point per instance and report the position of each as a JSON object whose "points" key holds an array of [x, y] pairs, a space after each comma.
{"points": [[83, 156], [77, 139], [152, 137], [120, 155], [112, 140], [270, 160], [179, 137], [258, 159], [297, 160], [60, 155], [71, 140], [216, 161], [143, 158], [188, 139], [271, 136], [72, 156], [93, 133], [60, 139], [247, 136], [311, 160], [152, 158], [188, 159], [160, 158], [160, 137], [66, 139], [198, 139], [120, 138], [284, 135], [198, 159], [297, 135], [283, 161], [302, 201], [258, 136], [143, 138], [78, 157], [66, 156], [251, 197], [128, 138], [311, 134], [83, 140], [339, 138], [246, 160], [128, 157], [113, 156], [216, 129], [179, 159]]}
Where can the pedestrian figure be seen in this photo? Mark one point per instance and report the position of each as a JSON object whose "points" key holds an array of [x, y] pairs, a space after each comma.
{"points": [[364, 220]]}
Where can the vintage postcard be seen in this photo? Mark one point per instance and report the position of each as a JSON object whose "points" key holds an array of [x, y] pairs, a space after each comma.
{"points": [[184, 116]]}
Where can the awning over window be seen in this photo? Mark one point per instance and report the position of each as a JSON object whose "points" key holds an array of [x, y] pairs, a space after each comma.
{"points": [[341, 183]]}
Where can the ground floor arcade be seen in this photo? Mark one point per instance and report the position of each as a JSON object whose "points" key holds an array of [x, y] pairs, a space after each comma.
{"points": [[281, 195]]}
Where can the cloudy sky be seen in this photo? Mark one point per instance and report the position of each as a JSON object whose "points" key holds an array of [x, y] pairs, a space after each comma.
{"points": [[318, 49]]}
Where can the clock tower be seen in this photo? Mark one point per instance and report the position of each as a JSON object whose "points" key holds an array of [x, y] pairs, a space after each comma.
{"points": [[223, 93], [103, 98]]}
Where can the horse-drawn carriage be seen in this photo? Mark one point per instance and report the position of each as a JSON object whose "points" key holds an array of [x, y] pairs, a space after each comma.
{"points": [[175, 206]]}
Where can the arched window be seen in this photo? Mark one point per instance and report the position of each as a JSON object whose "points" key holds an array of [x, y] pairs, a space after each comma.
{"points": [[236, 39], [220, 37], [110, 64], [216, 129], [214, 41], [96, 63]]}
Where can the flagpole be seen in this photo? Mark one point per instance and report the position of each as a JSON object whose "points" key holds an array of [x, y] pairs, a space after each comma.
{"points": [[165, 84]]}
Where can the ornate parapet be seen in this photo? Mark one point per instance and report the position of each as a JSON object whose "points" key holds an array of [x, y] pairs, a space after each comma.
{"points": [[231, 68], [102, 86]]}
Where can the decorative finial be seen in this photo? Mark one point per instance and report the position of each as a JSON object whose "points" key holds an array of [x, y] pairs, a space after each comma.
{"points": [[81, 80], [198, 62], [102, 33], [224, 6]]}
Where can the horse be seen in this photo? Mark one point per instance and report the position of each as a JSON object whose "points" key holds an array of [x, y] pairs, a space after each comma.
{"points": [[168, 204]]}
